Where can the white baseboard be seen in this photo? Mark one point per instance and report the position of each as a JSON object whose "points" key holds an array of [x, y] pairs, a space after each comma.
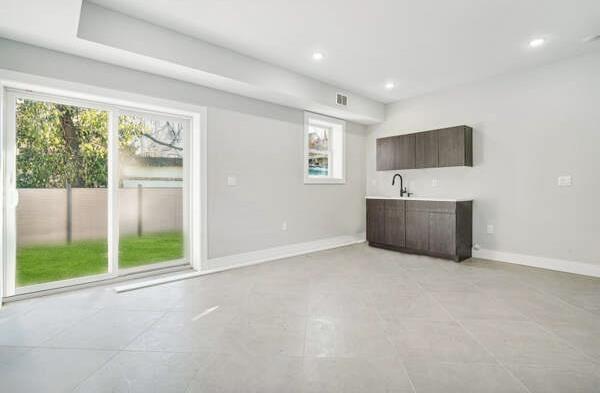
{"points": [[270, 254], [561, 265], [220, 264]]}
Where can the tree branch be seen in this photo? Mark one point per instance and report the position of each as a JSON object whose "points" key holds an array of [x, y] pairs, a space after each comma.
{"points": [[153, 139]]}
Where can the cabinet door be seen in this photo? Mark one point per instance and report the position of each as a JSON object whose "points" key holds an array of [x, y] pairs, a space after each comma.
{"points": [[375, 220], [455, 146], [394, 223], [386, 153], [426, 148], [417, 229], [405, 154], [396, 152], [442, 233]]}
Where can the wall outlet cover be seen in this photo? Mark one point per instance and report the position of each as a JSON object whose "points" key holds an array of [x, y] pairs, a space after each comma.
{"points": [[564, 181], [490, 229], [231, 181], [284, 226]]}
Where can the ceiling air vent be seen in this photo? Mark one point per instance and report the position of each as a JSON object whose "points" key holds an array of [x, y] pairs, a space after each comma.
{"points": [[341, 99]]}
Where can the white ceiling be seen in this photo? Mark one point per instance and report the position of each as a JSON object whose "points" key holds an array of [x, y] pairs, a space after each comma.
{"points": [[421, 45]]}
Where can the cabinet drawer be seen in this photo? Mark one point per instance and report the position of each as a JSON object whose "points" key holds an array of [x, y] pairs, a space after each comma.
{"points": [[431, 206]]}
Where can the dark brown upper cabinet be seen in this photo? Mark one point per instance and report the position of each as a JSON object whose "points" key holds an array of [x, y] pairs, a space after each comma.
{"points": [[386, 153], [426, 146], [396, 152], [445, 147], [455, 146]]}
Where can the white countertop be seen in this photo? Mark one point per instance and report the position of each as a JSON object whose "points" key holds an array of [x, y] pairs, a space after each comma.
{"points": [[420, 198]]}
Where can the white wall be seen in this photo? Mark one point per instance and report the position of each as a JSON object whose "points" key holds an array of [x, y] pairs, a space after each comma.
{"points": [[258, 141], [529, 128], [265, 155]]}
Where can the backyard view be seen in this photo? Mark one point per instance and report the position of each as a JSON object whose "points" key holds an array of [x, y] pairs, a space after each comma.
{"points": [[45, 263], [62, 179], [318, 151]]}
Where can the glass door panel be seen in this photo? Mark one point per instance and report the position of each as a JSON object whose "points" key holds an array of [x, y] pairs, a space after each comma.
{"points": [[61, 173], [151, 190]]}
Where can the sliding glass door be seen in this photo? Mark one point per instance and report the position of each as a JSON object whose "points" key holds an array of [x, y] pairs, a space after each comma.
{"points": [[151, 190], [90, 191], [59, 195]]}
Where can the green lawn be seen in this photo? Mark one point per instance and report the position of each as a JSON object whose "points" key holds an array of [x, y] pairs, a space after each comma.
{"points": [[38, 264]]}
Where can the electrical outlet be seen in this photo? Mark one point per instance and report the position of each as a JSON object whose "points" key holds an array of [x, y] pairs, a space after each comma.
{"points": [[284, 226], [564, 181], [490, 229], [231, 181]]}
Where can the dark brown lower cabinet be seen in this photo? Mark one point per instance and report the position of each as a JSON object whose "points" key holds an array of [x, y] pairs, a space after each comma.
{"points": [[394, 222], [375, 220], [417, 229], [441, 229], [385, 221], [442, 233]]}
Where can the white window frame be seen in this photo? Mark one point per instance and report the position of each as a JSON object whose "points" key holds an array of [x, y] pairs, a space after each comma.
{"points": [[106, 99], [336, 152]]}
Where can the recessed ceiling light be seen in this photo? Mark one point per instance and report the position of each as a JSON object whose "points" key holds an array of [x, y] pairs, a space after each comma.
{"points": [[536, 42], [390, 85], [318, 56]]}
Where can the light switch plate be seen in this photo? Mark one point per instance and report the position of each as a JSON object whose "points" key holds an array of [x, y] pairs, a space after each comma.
{"points": [[564, 181], [434, 182], [490, 229], [231, 181]]}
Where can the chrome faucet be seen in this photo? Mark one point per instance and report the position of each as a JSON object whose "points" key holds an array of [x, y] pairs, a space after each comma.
{"points": [[402, 189]]}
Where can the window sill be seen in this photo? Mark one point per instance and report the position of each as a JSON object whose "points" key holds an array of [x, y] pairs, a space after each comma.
{"points": [[326, 180]]}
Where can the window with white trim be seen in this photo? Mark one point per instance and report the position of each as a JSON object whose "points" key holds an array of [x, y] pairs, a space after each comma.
{"points": [[324, 145]]}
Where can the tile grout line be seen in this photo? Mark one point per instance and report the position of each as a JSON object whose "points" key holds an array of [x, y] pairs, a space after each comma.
{"points": [[94, 371], [497, 298], [414, 388], [550, 294], [550, 332], [501, 364], [565, 341], [381, 320], [115, 354], [60, 331]]}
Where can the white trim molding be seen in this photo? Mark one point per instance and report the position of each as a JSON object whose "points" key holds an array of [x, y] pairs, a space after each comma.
{"points": [[561, 265], [292, 250], [221, 264]]}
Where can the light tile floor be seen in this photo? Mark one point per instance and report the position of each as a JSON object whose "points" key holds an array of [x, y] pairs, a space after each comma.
{"points": [[353, 319]]}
